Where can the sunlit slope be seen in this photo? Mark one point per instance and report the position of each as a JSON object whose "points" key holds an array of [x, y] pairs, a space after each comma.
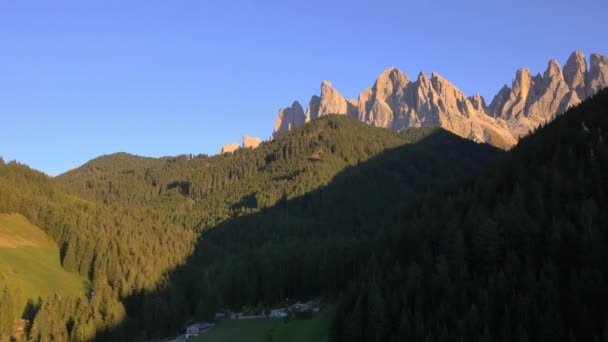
{"points": [[29, 260]]}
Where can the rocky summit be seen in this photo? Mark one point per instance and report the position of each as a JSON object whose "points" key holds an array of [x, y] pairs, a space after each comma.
{"points": [[229, 148], [251, 142], [396, 102]]}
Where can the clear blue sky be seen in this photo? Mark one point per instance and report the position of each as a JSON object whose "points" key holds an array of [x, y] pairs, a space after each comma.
{"points": [[83, 78]]}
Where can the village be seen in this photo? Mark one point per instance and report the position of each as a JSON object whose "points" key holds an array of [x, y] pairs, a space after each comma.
{"points": [[297, 311]]}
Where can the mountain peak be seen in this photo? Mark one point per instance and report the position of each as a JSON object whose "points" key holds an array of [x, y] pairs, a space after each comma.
{"points": [[598, 74], [395, 102], [330, 101], [326, 86], [523, 73], [553, 69], [288, 118], [422, 77], [251, 142], [575, 71], [392, 73], [229, 148], [390, 81], [597, 59], [479, 103]]}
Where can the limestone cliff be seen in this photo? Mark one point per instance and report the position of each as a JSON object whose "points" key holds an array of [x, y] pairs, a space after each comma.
{"points": [[251, 142], [288, 118], [229, 148], [394, 101], [532, 101]]}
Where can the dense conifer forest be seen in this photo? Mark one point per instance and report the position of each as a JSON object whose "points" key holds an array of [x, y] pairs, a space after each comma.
{"points": [[167, 240], [518, 253], [413, 235]]}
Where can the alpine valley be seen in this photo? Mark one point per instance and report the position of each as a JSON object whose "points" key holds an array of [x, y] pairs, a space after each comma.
{"points": [[413, 213]]}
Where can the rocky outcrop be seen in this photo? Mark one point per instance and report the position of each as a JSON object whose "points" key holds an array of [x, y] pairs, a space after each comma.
{"points": [[379, 104], [329, 102], [532, 101], [230, 148], [251, 142], [479, 103], [394, 101], [288, 118], [597, 78], [575, 72]]}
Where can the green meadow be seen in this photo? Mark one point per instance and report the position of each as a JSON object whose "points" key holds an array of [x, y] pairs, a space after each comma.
{"points": [[268, 330], [29, 261]]}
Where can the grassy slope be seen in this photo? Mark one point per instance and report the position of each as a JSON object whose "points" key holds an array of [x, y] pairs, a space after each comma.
{"points": [[29, 260], [309, 330], [268, 330], [245, 330]]}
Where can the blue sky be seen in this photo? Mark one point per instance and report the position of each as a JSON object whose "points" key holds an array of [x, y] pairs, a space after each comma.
{"points": [[83, 78]]}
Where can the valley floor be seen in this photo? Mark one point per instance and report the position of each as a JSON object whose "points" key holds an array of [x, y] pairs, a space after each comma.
{"points": [[266, 330]]}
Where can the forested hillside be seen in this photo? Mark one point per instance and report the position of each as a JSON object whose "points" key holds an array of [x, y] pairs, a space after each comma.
{"points": [[516, 254], [402, 227], [119, 251], [311, 197]]}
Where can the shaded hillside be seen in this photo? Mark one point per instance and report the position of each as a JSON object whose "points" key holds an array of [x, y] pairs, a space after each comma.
{"points": [[288, 204], [516, 254], [170, 182], [203, 191], [309, 245]]}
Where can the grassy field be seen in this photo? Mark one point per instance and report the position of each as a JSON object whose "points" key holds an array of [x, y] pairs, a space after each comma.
{"points": [[268, 330], [307, 330], [242, 330], [29, 260]]}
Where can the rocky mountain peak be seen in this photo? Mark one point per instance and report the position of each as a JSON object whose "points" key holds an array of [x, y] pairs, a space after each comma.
{"points": [[390, 81], [422, 77], [598, 60], [439, 83], [597, 78], [522, 83], [478, 102], [395, 102], [288, 118], [330, 102], [575, 71], [251, 142], [553, 69], [229, 148], [326, 87]]}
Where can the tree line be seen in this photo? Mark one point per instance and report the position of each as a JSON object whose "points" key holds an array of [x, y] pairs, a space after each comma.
{"points": [[517, 253]]}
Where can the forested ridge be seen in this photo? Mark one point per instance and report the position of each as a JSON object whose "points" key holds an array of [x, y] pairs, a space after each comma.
{"points": [[414, 235], [311, 197], [516, 254]]}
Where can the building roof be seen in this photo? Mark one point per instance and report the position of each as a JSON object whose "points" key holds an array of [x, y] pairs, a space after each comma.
{"points": [[202, 325]]}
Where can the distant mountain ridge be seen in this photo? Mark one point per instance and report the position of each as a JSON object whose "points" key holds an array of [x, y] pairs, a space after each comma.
{"points": [[396, 102]]}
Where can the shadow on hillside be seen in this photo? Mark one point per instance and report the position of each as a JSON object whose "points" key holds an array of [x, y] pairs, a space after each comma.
{"points": [[300, 248]]}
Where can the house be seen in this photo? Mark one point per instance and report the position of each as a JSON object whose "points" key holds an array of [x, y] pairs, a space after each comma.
{"points": [[278, 313], [219, 316], [299, 307], [197, 328], [300, 311]]}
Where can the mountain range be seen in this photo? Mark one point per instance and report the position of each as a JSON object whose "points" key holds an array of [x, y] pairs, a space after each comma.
{"points": [[397, 102], [403, 234]]}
